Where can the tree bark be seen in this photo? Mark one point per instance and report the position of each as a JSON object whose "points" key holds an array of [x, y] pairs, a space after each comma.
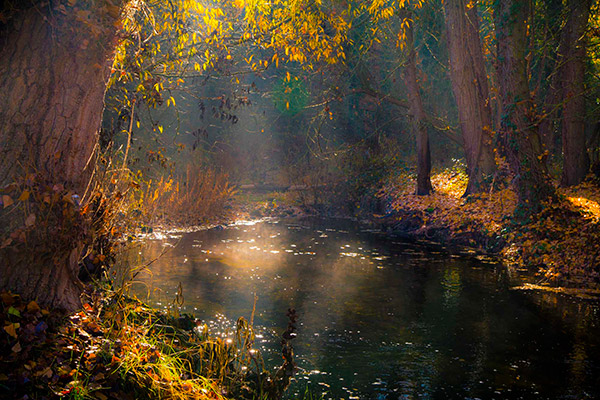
{"points": [[418, 121], [54, 64], [550, 80], [518, 131], [471, 91], [576, 162]]}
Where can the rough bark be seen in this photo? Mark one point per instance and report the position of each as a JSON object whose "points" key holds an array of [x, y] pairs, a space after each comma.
{"points": [[418, 121], [549, 82], [518, 130], [576, 162], [471, 92], [54, 64]]}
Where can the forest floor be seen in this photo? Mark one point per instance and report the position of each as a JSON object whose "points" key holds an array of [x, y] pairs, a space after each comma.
{"points": [[561, 244]]}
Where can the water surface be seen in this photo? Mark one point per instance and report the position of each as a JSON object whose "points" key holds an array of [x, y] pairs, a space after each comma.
{"points": [[381, 318]]}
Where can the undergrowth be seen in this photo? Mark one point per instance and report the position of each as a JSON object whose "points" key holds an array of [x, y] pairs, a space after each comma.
{"points": [[562, 242], [118, 348]]}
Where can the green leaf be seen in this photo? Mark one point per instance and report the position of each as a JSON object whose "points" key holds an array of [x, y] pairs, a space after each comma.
{"points": [[14, 311]]}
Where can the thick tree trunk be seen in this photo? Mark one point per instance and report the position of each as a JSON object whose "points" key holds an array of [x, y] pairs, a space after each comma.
{"points": [[576, 162], [54, 64], [519, 133], [470, 87], [418, 119]]}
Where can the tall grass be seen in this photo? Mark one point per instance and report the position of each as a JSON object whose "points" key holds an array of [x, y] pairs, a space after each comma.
{"points": [[197, 196]]}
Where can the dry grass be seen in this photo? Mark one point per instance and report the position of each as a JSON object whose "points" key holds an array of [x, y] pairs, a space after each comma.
{"points": [[198, 196]]}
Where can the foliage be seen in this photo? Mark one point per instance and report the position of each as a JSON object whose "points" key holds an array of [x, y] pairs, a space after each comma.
{"points": [[116, 347], [562, 241]]}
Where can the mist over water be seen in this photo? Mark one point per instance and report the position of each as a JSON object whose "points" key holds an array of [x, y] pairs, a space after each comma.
{"points": [[380, 318]]}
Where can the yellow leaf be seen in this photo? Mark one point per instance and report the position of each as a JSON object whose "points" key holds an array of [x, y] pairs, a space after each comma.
{"points": [[24, 196], [11, 329]]}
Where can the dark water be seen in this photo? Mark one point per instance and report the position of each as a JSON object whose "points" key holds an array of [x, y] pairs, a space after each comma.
{"points": [[383, 319]]}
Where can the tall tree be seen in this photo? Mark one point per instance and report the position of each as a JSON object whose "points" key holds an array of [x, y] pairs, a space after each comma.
{"points": [[519, 133], [470, 87], [418, 117], [548, 80], [576, 161], [54, 64]]}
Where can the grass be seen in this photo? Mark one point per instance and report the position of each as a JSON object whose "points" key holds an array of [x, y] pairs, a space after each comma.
{"points": [[198, 196], [119, 348]]}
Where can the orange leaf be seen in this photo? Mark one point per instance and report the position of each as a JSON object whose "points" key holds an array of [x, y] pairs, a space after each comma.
{"points": [[33, 307], [7, 200], [11, 329], [24, 196]]}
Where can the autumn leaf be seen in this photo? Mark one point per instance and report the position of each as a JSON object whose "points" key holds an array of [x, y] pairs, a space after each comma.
{"points": [[13, 311], [11, 329], [7, 201], [24, 196], [30, 221], [33, 307]]}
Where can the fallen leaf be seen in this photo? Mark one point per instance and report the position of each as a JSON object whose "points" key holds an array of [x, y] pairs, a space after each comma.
{"points": [[7, 298], [16, 348], [13, 311], [7, 200], [33, 307], [11, 329], [30, 221], [24, 196], [100, 396]]}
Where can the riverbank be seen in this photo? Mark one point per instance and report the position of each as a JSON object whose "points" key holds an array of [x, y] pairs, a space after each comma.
{"points": [[560, 247], [116, 347]]}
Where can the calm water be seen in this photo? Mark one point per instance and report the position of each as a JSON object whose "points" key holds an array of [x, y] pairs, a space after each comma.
{"points": [[380, 318]]}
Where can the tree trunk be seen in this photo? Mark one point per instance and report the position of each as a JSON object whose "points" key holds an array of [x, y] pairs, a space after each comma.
{"points": [[576, 162], [518, 131], [549, 81], [418, 119], [471, 92], [54, 64]]}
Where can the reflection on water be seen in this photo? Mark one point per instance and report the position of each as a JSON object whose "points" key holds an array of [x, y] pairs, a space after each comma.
{"points": [[381, 319]]}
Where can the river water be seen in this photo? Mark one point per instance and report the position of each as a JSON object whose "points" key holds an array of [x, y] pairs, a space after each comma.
{"points": [[380, 318]]}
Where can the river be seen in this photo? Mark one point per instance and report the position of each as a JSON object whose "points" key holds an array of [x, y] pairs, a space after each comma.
{"points": [[380, 318]]}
